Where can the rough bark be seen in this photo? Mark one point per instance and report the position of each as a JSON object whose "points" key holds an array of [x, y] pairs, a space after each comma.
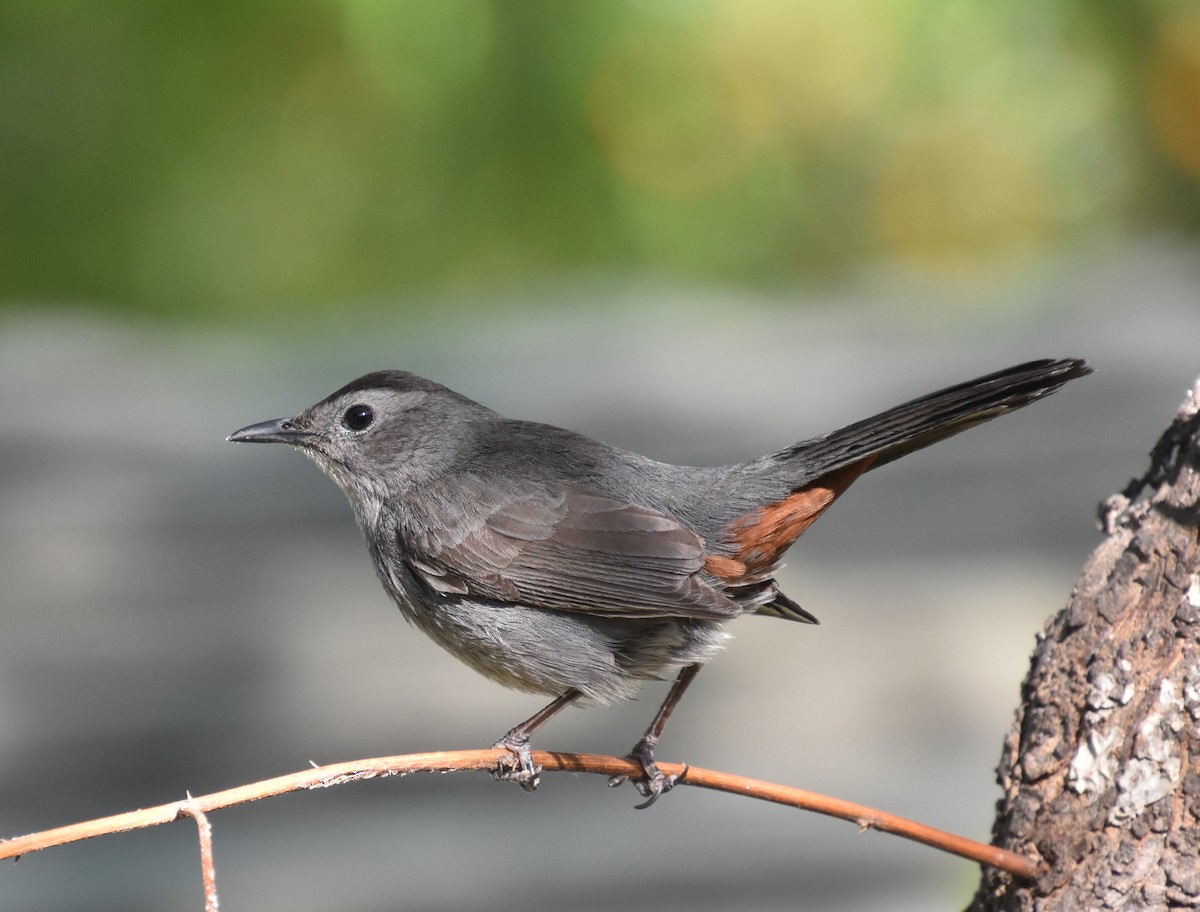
{"points": [[1101, 770]]}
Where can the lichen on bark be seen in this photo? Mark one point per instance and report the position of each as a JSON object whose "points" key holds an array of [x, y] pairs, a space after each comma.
{"points": [[1101, 770]]}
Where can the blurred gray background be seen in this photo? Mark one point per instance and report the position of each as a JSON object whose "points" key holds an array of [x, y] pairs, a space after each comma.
{"points": [[702, 231], [182, 614]]}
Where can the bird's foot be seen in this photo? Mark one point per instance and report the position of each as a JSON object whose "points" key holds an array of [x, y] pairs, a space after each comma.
{"points": [[519, 766], [653, 782]]}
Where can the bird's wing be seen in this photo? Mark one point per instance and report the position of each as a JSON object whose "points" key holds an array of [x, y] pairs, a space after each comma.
{"points": [[559, 546]]}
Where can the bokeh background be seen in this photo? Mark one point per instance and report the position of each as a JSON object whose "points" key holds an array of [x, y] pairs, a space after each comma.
{"points": [[702, 230]]}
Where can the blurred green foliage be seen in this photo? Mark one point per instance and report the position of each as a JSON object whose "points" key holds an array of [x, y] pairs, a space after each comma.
{"points": [[240, 158]]}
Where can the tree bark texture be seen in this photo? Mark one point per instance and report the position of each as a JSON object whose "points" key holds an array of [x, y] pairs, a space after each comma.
{"points": [[1101, 770]]}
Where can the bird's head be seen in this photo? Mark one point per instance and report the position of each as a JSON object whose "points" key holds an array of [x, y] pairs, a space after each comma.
{"points": [[378, 435]]}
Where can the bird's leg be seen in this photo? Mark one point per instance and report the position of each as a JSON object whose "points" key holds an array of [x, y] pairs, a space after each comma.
{"points": [[654, 783], [520, 768]]}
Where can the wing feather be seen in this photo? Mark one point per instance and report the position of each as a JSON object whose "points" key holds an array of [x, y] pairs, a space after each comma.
{"points": [[562, 547]]}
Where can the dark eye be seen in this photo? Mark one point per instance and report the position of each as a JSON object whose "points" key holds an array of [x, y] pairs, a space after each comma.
{"points": [[358, 417]]}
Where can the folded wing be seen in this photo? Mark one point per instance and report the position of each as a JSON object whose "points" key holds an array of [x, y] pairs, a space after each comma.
{"points": [[563, 547]]}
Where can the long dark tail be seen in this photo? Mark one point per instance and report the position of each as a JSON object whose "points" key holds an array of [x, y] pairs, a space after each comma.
{"points": [[815, 472], [916, 424]]}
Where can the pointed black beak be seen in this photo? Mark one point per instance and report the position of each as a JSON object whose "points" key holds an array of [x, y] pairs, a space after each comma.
{"points": [[281, 430]]}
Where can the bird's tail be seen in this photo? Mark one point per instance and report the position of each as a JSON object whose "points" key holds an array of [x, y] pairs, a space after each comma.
{"points": [[916, 424], [820, 469]]}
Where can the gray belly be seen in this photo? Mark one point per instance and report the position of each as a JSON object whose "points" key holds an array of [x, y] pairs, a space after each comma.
{"points": [[550, 652], [545, 651]]}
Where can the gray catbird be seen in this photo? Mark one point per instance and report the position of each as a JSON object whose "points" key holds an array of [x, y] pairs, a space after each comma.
{"points": [[560, 565]]}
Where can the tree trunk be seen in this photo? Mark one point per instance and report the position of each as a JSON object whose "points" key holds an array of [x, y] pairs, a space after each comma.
{"points": [[1101, 770]]}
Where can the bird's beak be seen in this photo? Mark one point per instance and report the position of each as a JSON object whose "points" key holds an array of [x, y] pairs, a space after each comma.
{"points": [[281, 430]]}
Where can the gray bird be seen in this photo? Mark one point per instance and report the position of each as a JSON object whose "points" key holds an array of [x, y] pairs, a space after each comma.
{"points": [[556, 564]]}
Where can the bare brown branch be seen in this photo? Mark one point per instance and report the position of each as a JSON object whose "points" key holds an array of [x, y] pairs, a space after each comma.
{"points": [[189, 808], [453, 761]]}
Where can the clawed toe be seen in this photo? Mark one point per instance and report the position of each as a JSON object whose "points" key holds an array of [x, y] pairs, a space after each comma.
{"points": [[654, 783], [518, 767], [652, 788]]}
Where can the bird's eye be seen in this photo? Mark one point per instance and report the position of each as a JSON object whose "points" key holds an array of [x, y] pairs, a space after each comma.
{"points": [[358, 417]]}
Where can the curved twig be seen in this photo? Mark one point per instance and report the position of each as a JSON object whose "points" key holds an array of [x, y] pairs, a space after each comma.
{"points": [[453, 761], [208, 867]]}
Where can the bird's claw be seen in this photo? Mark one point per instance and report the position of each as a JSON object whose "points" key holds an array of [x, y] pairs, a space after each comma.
{"points": [[653, 783], [656, 784], [518, 767]]}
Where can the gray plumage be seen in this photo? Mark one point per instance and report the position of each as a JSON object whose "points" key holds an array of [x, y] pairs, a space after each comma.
{"points": [[557, 564]]}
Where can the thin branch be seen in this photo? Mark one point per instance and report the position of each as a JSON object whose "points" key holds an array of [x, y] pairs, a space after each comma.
{"points": [[208, 867], [453, 761]]}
